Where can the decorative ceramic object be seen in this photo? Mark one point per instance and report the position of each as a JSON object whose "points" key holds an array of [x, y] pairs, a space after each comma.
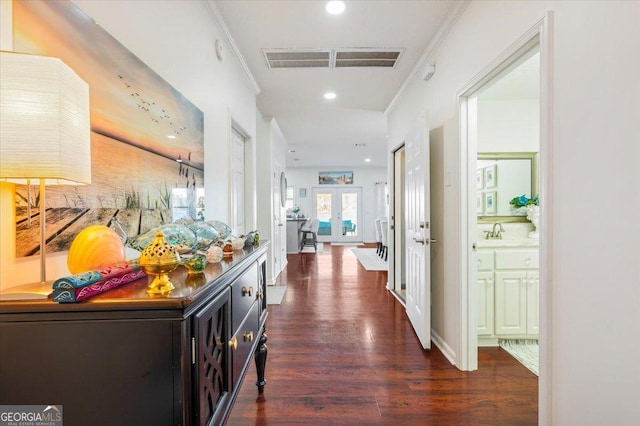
{"points": [[181, 237], [94, 247], [224, 230], [157, 260], [214, 254], [253, 238], [227, 249], [238, 242], [533, 214], [195, 264]]}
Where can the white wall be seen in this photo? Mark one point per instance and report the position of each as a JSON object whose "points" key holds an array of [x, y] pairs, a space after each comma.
{"points": [[176, 39], [509, 125], [300, 177], [593, 319]]}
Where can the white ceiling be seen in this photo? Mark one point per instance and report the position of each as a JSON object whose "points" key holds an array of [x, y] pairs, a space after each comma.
{"points": [[324, 133]]}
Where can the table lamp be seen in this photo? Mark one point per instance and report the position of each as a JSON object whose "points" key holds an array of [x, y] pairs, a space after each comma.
{"points": [[44, 127]]}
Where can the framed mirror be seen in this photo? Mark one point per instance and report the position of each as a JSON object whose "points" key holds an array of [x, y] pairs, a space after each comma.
{"points": [[500, 177], [283, 189]]}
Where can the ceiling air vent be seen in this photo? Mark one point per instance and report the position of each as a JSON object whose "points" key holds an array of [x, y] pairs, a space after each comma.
{"points": [[332, 58], [367, 58], [298, 58]]}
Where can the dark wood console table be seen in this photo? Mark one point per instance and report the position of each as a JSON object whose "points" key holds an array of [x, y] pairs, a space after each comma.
{"points": [[125, 358]]}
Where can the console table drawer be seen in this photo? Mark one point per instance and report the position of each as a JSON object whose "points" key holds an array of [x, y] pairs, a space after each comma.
{"points": [[517, 259], [244, 339], [243, 293]]}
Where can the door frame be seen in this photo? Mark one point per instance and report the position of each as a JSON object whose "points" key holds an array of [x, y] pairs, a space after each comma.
{"points": [[542, 34], [396, 222], [250, 183], [393, 200]]}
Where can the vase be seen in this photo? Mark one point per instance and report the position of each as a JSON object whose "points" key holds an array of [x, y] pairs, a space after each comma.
{"points": [[518, 211], [533, 214]]}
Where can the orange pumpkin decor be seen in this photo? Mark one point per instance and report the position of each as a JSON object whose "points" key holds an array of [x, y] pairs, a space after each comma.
{"points": [[94, 247]]}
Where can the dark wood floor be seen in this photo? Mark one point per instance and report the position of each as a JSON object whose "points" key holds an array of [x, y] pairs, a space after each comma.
{"points": [[341, 351]]}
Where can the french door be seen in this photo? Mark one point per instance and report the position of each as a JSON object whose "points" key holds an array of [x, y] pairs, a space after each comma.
{"points": [[339, 210]]}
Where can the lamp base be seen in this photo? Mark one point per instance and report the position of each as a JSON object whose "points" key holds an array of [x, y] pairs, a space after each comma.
{"points": [[30, 291]]}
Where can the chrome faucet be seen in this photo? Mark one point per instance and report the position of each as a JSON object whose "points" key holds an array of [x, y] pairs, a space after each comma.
{"points": [[495, 233], [498, 234]]}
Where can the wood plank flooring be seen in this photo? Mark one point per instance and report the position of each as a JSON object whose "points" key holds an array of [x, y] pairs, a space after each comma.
{"points": [[341, 351]]}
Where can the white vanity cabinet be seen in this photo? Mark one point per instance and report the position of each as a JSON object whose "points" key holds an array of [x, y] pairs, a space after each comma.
{"points": [[485, 292], [508, 283]]}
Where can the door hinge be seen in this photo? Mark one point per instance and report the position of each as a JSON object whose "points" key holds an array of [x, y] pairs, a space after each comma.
{"points": [[193, 350]]}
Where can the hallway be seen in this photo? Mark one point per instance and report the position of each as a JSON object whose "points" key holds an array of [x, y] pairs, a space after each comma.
{"points": [[341, 351]]}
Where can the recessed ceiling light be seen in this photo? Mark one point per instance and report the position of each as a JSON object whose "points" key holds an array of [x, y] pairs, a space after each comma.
{"points": [[179, 160], [335, 7], [367, 160], [329, 95], [171, 136]]}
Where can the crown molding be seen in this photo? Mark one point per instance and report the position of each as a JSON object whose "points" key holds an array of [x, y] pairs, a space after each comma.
{"points": [[217, 17], [447, 24]]}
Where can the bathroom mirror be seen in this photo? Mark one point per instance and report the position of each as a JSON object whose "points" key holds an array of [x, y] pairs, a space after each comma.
{"points": [[500, 177]]}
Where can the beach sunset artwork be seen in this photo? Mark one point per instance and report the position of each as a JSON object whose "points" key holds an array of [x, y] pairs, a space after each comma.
{"points": [[147, 139]]}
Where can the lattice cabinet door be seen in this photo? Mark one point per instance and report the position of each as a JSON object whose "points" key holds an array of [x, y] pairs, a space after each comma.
{"points": [[211, 373]]}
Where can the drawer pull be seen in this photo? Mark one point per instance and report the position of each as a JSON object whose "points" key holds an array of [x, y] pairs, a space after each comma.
{"points": [[248, 336], [233, 343], [247, 291]]}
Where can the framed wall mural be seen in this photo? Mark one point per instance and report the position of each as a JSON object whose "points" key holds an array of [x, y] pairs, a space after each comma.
{"points": [[335, 178], [147, 140]]}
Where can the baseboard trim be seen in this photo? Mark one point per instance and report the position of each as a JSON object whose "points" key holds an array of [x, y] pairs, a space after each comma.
{"points": [[444, 348]]}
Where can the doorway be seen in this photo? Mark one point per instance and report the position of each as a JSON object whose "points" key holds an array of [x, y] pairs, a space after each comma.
{"points": [[536, 41], [339, 211], [399, 225]]}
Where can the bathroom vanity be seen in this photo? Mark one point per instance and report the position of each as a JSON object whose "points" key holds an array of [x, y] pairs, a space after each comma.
{"points": [[508, 287]]}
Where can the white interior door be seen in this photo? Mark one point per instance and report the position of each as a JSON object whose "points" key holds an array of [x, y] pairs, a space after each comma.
{"points": [[418, 241], [237, 183], [339, 211], [279, 222]]}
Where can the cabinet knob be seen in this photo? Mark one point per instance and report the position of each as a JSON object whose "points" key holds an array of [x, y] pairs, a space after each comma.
{"points": [[260, 295], [247, 291], [248, 336], [233, 343]]}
